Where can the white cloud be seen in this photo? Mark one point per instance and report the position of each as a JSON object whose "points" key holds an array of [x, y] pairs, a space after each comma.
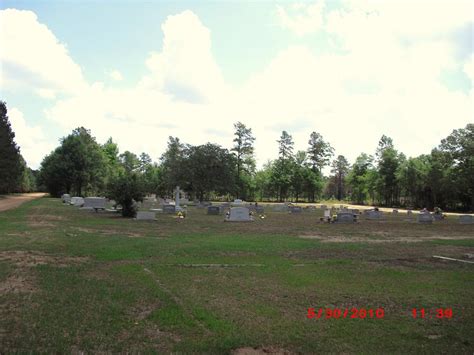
{"points": [[300, 18], [32, 58], [185, 68], [116, 75], [469, 68], [380, 84], [31, 139]]}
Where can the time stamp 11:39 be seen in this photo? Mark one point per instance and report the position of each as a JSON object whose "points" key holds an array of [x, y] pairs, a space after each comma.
{"points": [[376, 313]]}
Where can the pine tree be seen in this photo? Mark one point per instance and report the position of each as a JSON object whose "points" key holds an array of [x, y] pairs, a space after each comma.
{"points": [[10, 158]]}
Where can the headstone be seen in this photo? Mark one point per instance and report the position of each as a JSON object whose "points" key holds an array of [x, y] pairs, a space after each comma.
{"points": [[259, 209], [355, 211], [466, 219], [96, 203], [146, 216], [213, 210], [66, 198], [345, 217], [395, 211], [372, 214], [438, 216], [169, 208], [295, 209], [323, 207], [77, 201], [425, 218], [237, 202], [327, 214], [239, 214], [409, 212]]}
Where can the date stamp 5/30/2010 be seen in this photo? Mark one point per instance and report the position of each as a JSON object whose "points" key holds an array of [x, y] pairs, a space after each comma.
{"points": [[376, 313]]}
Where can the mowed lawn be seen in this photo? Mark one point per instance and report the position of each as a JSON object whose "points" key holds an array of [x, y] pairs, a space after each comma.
{"points": [[75, 281]]}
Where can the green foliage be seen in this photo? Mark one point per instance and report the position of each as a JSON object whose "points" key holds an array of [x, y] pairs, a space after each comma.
{"points": [[244, 153], [340, 168], [11, 167], [285, 146], [126, 189], [77, 166], [319, 151], [209, 168]]}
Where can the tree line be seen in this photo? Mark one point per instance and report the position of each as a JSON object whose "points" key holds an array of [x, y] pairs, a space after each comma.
{"points": [[442, 178], [15, 176]]}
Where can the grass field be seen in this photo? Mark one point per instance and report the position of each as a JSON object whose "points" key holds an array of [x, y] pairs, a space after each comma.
{"points": [[75, 281]]}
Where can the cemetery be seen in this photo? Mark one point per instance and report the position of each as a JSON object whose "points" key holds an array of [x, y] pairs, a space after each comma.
{"points": [[238, 178]]}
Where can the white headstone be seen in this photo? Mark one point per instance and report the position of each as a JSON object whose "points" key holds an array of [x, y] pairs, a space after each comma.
{"points": [[146, 216], [239, 214], [327, 214], [97, 203], [77, 201], [66, 198], [176, 200]]}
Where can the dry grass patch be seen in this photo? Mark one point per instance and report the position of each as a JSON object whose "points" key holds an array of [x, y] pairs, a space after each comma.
{"points": [[33, 258]]}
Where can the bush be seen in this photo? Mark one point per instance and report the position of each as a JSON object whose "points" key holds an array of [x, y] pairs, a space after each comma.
{"points": [[126, 189]]}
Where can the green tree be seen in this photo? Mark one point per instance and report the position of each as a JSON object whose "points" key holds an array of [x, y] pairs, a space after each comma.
{"points": [[459, 146], [244, 152], [77, 166], [129, 161], [340, 169], [11, 168], [358, 177], [172, 166], [319, 152], [126, 189], [285, 146], [209, 168]]}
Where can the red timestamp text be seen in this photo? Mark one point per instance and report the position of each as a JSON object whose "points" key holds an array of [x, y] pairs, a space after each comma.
{"points": [[345, 313], [430, 313]]}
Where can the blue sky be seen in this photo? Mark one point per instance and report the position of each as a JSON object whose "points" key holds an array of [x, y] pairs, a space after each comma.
{"points": [[142, 71]]}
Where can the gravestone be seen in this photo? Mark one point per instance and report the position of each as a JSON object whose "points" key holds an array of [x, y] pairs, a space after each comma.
{"points": [[146, 216], [372, 215], [169, 209], [66, 198], [239, 214], [323, 207], [96, 203], [345, 217], [237, 202], [438, 216], [425, 218], [77, 201], [466, 219], [295, 209], [259, 209], [395, 211], [355, 211], [327, 214], [409, 212], [213, 210]]}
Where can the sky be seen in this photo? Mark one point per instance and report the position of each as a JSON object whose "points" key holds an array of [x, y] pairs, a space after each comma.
{"points": [[140, 72]]}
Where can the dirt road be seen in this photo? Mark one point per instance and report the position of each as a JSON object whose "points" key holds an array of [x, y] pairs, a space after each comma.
{"points": [[7, 202]]}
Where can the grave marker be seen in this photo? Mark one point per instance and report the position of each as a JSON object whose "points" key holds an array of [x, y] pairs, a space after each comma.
{"points": [[239, 214], [146, 216]]}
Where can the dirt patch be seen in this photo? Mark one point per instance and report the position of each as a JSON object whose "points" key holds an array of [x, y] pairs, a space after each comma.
{"points": [[17, 283], [142, 311], [32, 259], [259, 351], [9, 202]]}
